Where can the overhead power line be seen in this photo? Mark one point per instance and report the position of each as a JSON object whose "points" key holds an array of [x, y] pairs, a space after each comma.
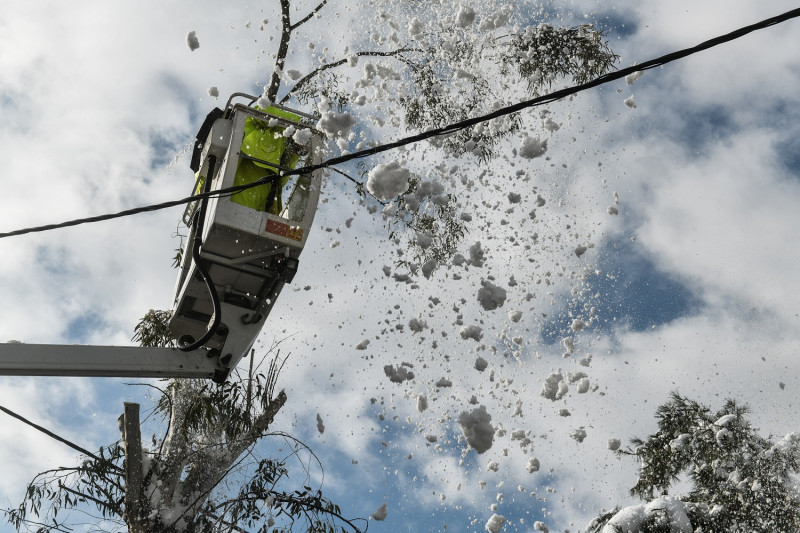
{"points": [[446, 130], [52, 435]]}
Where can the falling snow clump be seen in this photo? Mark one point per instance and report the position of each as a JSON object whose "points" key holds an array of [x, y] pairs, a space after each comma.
{"points": [[398, 374], [481, 364], [476, 255], [471, 332], [533, 465], [192, 41], [443, 383], [320, 425], [578, 434], [477, 428], [380, 513], [388, 181], [490, 296], [495, 523], [554, 387], [532, 147], [417, 325], [465, 16], [422, 402], [336, 124]]}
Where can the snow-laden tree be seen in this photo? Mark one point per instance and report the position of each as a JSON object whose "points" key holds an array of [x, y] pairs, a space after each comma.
{"points": [[740, 481], [423, 65]]}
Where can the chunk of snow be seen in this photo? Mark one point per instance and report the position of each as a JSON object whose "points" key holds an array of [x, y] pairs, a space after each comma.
{"points": [[336, 124], [725, 420], [515, 316], [550, 125], [302, 137], [632, 519], [192, 41], [477, 428], [415, 27], [422, 402], [613, 210], [580, 250], [362, 345], [388, 180], [495, 523], [443, 383], [633, 76], [320, 425], [465, 16], [629, 102], [554, 387], [578, 434], [481, 364], [541, 526], [416, 325], [533, 465], [490, 296], [293, 75], [381, 512], [532, 147], [472, 332], [398, 374], [613, 444], [578, 324], [213, 92], [476, 255]]}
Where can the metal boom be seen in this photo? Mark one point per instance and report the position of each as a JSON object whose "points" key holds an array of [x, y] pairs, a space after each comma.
{"points": [[107, 361]]}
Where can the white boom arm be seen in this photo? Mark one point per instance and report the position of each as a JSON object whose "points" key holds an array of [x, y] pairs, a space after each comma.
{"points": [[107, 361]]}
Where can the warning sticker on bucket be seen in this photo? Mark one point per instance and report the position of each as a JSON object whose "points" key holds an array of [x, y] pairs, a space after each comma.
{"points": [[284, 230]]}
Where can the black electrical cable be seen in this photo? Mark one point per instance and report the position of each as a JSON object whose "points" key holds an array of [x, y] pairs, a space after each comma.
{"points": [[446, 130], [52, 435], [184, 343]]}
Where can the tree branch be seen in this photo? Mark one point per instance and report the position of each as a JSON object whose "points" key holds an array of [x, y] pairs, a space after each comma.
{"points": [[307, 17], [322, 68], [283, 49]]}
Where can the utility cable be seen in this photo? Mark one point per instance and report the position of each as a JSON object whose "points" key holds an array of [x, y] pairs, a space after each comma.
{"points": [[446, 130], [50, 434]]}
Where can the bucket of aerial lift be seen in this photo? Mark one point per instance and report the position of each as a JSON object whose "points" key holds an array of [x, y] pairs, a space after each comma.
{"points": [[248, 253]]}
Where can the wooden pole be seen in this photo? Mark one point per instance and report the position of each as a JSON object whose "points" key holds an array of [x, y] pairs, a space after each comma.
{"points": [[132, 438]]}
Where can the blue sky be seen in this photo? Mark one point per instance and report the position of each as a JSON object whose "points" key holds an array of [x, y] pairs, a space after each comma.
{"points": [[691, 287]]}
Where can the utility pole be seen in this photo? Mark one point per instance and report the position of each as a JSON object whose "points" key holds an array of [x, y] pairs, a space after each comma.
{"points": [[132, 440]]}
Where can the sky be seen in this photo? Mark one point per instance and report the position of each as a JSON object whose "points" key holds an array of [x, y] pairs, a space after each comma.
{"points": [[691, 287]]}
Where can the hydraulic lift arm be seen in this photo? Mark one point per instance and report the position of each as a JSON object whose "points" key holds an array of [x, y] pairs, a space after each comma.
{"points": [[107, 361]]}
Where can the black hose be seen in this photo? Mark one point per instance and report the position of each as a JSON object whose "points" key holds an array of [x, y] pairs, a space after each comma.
{"points": [[216, 318]]}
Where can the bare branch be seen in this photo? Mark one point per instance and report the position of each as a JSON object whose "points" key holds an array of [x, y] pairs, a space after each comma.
{"points": [[283, 49], [322, 68], [311, 14]]}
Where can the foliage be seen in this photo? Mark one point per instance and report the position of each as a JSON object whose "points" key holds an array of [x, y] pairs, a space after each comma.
{"points": [[204, 474], [740, 481], [96, 482], [152, 330]]}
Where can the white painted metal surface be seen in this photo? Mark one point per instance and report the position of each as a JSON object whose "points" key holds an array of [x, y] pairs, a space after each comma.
{"points": [[249, 254], [106, 361]]}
